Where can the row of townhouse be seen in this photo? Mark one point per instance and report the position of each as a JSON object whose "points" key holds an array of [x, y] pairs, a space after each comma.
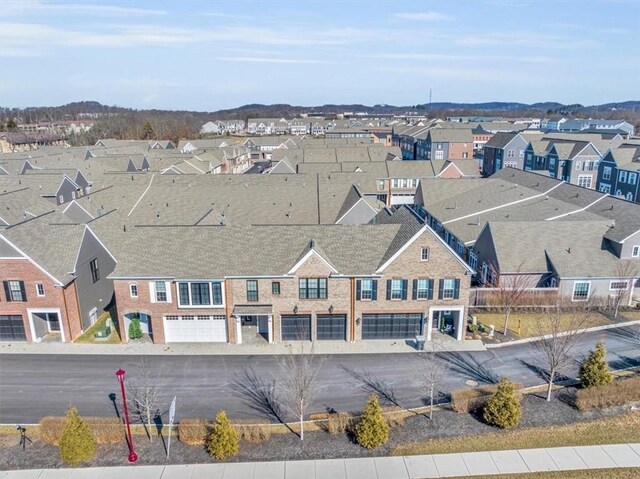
{"points": [[334, 128], [222, 127], [438, 141], [580, 242], [593, 125], [609, 164], [315, 283]]}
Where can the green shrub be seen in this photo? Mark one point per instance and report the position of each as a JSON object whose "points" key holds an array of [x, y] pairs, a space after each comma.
{"points": [[594, 370], [223, 441], [503, 409], [76, 444], [135, 331], [618, 393], [372, 430]]}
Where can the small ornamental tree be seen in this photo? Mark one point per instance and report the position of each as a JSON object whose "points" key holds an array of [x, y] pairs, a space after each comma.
{"points": [[372, 430], [594, 370], [503, 409], [77, 443], [223, 441], [135, 331]]}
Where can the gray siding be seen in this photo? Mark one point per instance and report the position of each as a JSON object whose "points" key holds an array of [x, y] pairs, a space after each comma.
{"points": [[67, 190], [93, 295], [7, 251], [628, 245], [360, 214]]}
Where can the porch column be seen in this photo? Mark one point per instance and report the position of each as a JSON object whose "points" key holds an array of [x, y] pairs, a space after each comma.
{"points": [[461, 325], [238, 330], [270, 328], [428, 324]]}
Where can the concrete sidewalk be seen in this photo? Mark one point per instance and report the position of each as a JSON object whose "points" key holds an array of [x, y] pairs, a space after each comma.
{"points": [[407, 467], [321, 347]]}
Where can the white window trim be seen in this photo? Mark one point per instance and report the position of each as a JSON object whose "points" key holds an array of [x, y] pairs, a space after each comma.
{"points": [[452, 289], [635, 251], [362, 290], [626, 282], [418, 290], [201, 306], [38, 290], [392, 289], [131, 286], [422, 255], [573, 294], [152, 292]]}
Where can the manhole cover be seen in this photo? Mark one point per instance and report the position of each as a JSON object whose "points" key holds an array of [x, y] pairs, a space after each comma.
{"points": [[471, 383]]}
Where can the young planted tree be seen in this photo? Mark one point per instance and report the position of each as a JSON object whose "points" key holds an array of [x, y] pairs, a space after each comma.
{"points": [[559, 328], [77, 443], [594, 370], [135, 330], [372, 430], [509, 290], [503, 409], [145, 388], [298, 380], [626, 272], [223, 441], [430, 369]]}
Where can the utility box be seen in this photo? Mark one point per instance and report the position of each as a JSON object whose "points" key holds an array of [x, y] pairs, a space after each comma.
{"points": [[420, 343]]}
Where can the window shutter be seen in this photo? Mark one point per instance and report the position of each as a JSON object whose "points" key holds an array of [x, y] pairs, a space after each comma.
{"points": [[414, 289], [440, 288], [167, 286], [24, 292], [358, 290], [456, 290], [405, 286], [374, 290], [7, 294], [388, 290], [152, 291]]}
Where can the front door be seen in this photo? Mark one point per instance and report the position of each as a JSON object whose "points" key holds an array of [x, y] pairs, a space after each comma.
{"points": [[54, 322]]}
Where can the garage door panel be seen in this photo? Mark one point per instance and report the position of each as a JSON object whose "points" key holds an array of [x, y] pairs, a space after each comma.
{"points": [[331, 327], [195, 329], [391, 326], [12, 328], [295, 327]]}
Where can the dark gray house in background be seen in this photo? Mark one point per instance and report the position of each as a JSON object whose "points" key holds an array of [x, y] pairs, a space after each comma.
{"points": [[619, 173], [504, 149]]}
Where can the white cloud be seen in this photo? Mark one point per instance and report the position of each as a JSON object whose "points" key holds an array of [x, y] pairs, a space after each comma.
{"points": [[423, 16], [270, 60], [24, 8]]}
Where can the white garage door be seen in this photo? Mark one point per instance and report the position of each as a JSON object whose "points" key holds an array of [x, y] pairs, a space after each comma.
{"points": [[195, 329]]}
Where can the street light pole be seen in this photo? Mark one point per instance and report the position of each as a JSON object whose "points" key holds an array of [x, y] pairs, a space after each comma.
{"points": [[133, 457]]}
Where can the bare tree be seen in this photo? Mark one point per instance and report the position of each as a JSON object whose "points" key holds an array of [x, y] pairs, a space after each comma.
{"points": [[559, 328], [145, 388], [509, 290], [298, 381], [430, 369], [625, 272]]}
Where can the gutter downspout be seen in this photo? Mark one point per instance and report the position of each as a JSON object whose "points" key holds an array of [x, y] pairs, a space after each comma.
{"points": [[353, 310], [66, 311]]}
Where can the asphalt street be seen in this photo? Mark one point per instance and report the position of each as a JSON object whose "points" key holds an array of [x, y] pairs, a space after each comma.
{"points": [[33, 386]]}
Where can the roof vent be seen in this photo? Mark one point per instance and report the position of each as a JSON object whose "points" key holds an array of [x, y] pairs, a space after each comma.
{"points": [[569, 250], [312, 243], [613, 224]]}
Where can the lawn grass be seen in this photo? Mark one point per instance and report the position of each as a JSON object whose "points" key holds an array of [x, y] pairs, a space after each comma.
{"points": [[631, 314], [619, 473], [88, 338], [528, 322], [617, 430]]}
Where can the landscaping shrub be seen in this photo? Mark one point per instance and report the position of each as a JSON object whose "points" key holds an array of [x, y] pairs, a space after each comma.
{"points": [[617, 393], [77, 444], [223, 441], [503, 409], [594, 370], [339, 423], [470, 399], [135, 331], [372, 430], [395, 419], [193, 432], [253, 433], [106, 430]]}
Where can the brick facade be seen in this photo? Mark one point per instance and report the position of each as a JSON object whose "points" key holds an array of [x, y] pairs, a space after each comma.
{"points": [[341, 294], [55, 297]]}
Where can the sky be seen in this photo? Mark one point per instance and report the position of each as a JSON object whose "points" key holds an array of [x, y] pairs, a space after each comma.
{"points": [[209, 55]]}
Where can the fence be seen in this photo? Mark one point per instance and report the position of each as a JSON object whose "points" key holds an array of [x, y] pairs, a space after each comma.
{"points": [[531, 298]]}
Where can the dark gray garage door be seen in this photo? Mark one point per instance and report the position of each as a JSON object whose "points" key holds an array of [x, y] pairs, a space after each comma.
{"points": [[332, 327], [296, 327], [391, 326], [12, 328]]}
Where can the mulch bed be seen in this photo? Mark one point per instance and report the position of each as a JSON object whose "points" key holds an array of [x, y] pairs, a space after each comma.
{"points": [[317, 445]]}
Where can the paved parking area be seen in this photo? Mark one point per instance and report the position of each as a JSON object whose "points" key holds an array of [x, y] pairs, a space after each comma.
{"points": [[407, 467]]}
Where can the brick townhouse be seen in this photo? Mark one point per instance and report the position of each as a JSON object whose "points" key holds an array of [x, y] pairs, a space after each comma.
{"points": [[54, 280], [391, 280]]}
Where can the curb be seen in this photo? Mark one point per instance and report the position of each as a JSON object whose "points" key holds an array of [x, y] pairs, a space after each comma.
{"points": [[547, 336]]}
